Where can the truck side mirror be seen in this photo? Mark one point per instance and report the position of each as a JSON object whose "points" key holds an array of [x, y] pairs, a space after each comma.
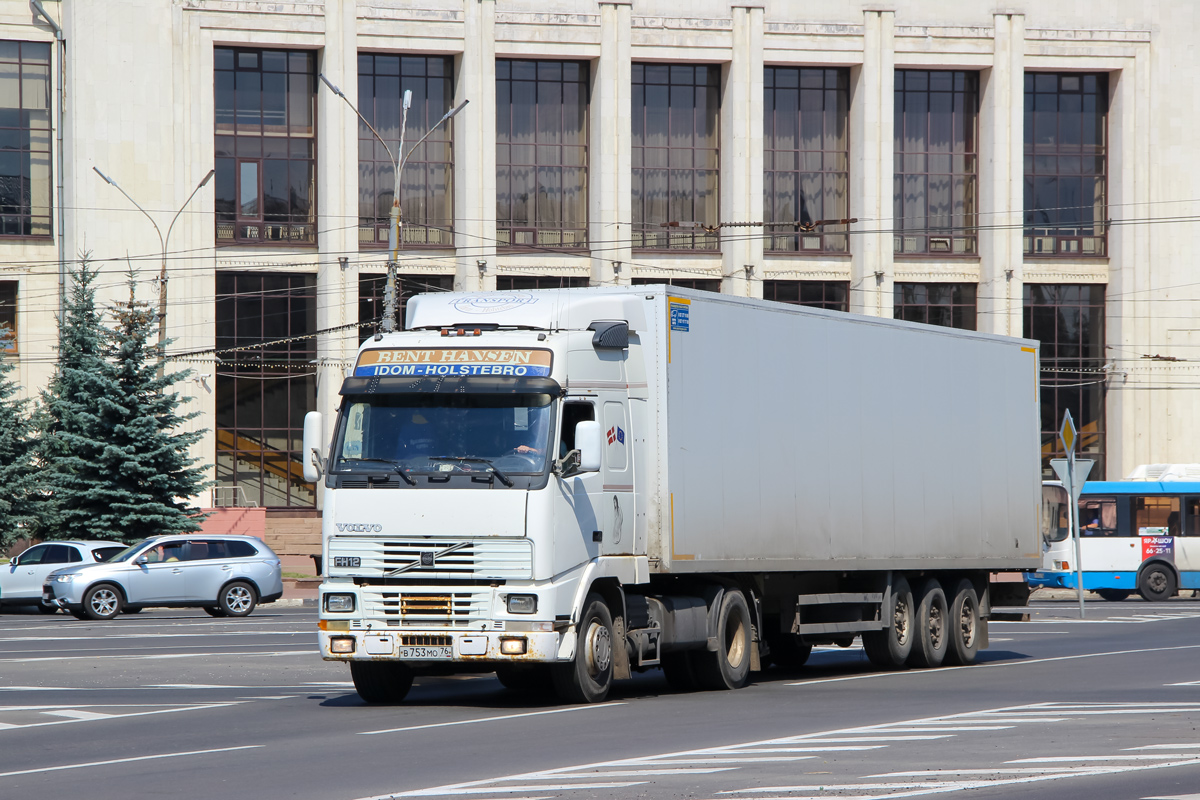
{"points": [[314, 464], [588, 441]]}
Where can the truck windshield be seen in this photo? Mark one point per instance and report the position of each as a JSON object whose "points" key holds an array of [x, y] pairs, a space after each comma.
{"points": [[432, 433]]}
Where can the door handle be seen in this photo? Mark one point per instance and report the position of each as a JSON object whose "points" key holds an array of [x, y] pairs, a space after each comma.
{"points": [[226, 567], [176, 571]]}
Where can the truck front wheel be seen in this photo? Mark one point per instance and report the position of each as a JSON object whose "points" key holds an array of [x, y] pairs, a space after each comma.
{"points": [[728, 667], [588, 678], [381, 682], [889, 648]]}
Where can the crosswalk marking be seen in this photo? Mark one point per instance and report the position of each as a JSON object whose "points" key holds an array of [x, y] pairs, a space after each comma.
{"points": [[74, 713]]}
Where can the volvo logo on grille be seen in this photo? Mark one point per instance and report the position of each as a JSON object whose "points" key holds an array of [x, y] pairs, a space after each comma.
{"points": [[427, 557], [359, 527]]}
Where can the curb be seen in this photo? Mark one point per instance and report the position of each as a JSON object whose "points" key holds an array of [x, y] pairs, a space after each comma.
{"points": [[293, 602]]}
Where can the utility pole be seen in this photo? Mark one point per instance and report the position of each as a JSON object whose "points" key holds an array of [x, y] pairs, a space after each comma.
{"points": [[162, 241], [389, 292]]}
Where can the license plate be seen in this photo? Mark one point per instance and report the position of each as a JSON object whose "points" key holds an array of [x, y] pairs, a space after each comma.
{"points": [[419, 653], [347, 561]]}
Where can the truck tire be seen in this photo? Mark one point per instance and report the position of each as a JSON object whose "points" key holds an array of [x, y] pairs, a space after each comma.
{"points": [[889, 648], [381, 682], [1157, 583], [931, 639], [728, 667], [964, 625], [589, 676], [524, 677]]}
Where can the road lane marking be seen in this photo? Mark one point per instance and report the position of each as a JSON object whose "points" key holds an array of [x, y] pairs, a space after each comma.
{"points": [[1164, 747], [494, 790], [1061, 759], [995, 664], [490, 719], [31, 660], [154, 636], [127, 716], [128, 760], [78, 714]]}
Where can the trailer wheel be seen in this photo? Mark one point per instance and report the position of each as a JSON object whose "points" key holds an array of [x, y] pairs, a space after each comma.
{"points": [[889, 648], [1156, 583], [932, 637], [381, 682], [728, 667], [524, 678], [588, 678], [1113, 595], [964, 625]]}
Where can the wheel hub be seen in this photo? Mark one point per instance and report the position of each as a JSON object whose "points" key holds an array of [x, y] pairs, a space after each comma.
{"points": [[599, 648], [936, 627]]}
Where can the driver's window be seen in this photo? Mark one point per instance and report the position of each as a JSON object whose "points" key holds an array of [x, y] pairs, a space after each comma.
{"points": [[33, 555], [573, 414]]}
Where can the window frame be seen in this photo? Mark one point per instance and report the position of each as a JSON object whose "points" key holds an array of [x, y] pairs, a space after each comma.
{"points": [[680, 239], [10, 317], [1034, 236], [828, 239], [506, 234], [371, 286], [900, 305], [956, 236], [299, 229], [771, 292]]}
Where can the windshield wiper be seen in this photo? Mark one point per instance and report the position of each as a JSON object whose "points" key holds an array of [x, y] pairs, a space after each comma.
{"points": [[395, 465], [507, 481]]}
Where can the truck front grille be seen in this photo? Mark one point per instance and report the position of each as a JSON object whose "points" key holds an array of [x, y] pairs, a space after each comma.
{"points": [[477, 559], [425, 609]]}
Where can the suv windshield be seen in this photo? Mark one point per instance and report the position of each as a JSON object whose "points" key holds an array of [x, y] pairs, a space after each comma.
{"points": [[428, 433], [128, 552]]}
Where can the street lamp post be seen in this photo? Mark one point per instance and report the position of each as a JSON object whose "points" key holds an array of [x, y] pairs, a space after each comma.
{"points": [[389, 292], [162, 241]]}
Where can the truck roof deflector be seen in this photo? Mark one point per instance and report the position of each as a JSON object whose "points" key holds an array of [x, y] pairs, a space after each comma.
{"points": [[610, 334]]}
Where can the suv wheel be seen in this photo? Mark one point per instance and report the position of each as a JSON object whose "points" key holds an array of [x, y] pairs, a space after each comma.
{"points": [[102, 601], [237, 599]]}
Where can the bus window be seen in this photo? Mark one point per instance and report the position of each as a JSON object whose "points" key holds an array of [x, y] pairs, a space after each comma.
{"points": [[1155, 516], [1098, 516], [1193, 516]]}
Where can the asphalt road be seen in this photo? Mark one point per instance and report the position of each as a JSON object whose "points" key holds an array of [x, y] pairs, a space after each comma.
{"points": [[176, 704]]}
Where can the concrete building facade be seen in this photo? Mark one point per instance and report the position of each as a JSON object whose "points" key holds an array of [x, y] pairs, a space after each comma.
{"points": [[1025, 169]]}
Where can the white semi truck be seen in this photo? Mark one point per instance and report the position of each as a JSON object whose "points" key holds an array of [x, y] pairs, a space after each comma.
{"points": [[569, 486]]}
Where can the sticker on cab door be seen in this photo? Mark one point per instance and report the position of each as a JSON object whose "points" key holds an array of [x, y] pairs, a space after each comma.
{"points": [[616, 434]]}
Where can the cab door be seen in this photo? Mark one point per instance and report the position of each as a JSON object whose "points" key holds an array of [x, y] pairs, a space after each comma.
{"points": [[578, 507], [617, 502]]}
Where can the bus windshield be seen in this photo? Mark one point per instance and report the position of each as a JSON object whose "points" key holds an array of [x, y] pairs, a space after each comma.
{"points": [[442, 433]]}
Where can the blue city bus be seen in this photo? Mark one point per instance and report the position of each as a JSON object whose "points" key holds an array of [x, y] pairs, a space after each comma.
{"points": [[1135, 536]]}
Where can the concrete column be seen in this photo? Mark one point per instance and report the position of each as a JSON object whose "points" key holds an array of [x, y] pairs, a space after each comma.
{"points": [[871, 169], [337, 207], [1001, 180], [475, 151], [742, 156], [610, 206]]}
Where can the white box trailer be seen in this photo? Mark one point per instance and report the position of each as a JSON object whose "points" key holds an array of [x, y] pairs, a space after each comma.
{"points": [[570, 485]]}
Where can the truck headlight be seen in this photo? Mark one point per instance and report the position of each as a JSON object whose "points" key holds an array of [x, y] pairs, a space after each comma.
{"points": [[339, 602], [522, 603], [343, 645], [512, 647]]}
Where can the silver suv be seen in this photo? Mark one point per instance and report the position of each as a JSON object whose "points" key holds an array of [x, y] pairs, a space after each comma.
{"points": [[225, 575]]}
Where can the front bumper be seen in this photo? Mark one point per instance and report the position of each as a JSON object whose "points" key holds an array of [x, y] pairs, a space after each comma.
{"points": [[439, 646], [60, 595]]}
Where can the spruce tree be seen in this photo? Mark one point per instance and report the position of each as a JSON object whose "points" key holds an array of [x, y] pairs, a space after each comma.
{"points": [[69, 430], [18, 474], [147, 458]]}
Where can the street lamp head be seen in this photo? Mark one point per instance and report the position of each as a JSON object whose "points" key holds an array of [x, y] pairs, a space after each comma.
{"points": [[332, 88], [407, 99], [207, 178], [107, 179]]}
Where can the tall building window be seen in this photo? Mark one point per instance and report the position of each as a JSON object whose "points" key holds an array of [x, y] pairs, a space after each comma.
{"points": [[427, 188], [24, 139], [8, 317], [1069, 322], [832, 295], [703, 284], [541, 153], [676, 162], [263, 392], [806, 156], [266, 146], [936, 158], [1066, 149], [527, 282], [371, 288], [948, 304]]}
